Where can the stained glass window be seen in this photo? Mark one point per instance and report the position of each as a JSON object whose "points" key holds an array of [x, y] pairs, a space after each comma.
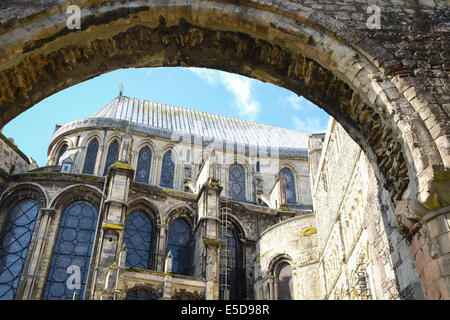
{"points": [[72, 252], [167, 170], [180, 242], [284, 282], [237, 182], [141, 294], [290, 185], [230, 249], [137, 238], [61, 153], [15, 239], [143, 165], [112, 156], [91, 157]]}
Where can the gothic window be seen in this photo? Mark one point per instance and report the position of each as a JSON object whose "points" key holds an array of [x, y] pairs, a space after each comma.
{"points": [[230, 251], [284, 282], [91, 157], [180, 242], [237, 182], [61, 153], [72, 252], [141, 294], [137, 238], [143, 165], [15, 239], [290, 185], [112, 156], [167, 170]]}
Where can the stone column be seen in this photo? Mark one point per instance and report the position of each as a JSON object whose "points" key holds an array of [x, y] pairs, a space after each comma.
{"points": [[114, 286], [119, 180], [167, 278], [158, 163], [46, 216], [270, 283], [206, 237], [161, 246]]}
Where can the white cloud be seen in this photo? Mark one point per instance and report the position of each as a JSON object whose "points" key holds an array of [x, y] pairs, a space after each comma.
{"points": [[309, 125], [209, 76], [239, 86]]}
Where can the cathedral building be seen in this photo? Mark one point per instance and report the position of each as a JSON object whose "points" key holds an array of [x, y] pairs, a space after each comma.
{"points": [[144, 201]]}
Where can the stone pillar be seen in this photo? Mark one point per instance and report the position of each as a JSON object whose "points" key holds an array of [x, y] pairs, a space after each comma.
{"points": [[282, 196], [206, 237], [167, 278], [158, 169], [46, 216], [162, 230], [113, 289], [270, 283], [118, 182], [431, 250]]}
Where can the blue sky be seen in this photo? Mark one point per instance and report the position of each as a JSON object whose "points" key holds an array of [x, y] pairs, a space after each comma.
{"points": [[202, 89]]}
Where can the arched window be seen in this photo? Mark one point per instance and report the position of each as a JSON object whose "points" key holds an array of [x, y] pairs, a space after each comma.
{"points": [[167, 170], [91, 157], [231, 253], [290, 185], [72, 252], [112, 156], [141, 294], [180, 243], [137, 238], [284, 281], [237, 182], [143, 165], [60, 154], [15, 239]]}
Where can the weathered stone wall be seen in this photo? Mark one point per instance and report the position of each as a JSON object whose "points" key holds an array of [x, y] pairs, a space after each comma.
{"points": [[58, 190], [315, 147], [295, 241], [354, 220], [12, 160]]}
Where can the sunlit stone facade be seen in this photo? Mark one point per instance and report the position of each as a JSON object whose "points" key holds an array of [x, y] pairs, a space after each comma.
{"points": [[148, 201]]}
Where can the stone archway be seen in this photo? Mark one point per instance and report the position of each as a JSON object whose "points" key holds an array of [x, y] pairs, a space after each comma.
{"points": [[391, 96]]}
